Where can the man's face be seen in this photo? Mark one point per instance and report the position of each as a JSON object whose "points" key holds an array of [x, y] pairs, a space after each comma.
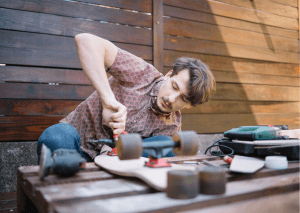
{"points": [[173, 92]]}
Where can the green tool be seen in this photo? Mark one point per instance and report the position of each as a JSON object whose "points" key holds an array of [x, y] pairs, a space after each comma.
{"points": [[251, 133]]}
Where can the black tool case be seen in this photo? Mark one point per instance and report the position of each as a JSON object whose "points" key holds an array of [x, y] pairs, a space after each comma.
{"points": [[248, 149]]}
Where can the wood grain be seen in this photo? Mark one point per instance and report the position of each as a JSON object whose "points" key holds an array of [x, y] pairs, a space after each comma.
{"points": [[287, 202], [79, 10], [182, 13], [243, 107], [241, 13], [25, 128], [227, 49], [158, 41], [9, 107], [266, 6], [141, 5], [37, 41], [67, 26], [292, 3], [42, 75], [212, 123], [192, 29], [158, 202], [45, 91], [238, 65], [245, 78]]}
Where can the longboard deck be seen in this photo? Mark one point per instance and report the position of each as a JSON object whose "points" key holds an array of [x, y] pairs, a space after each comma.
{"points": [[154, 177]]}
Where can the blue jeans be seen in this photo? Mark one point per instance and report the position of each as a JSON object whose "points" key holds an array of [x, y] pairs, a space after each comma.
{"points": [[65, 136]]}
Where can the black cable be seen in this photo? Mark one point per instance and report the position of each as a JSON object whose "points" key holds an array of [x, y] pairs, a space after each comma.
{"points": [[218, 153]]}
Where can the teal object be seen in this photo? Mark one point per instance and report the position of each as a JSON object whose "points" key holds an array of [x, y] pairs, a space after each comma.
{"points": [[251, 133]]}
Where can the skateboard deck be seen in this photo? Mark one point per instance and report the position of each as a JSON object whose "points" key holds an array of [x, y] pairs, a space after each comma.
{"points": [[154, 177]]}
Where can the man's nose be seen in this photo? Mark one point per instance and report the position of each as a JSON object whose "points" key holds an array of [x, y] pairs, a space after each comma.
{"points": [[173, 97]]}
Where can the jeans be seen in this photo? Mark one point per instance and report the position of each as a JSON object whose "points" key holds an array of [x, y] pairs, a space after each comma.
{"points": [[65, 136]]}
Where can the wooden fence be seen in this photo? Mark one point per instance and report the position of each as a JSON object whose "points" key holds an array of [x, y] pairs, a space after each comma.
{"points": [[251, 46]]}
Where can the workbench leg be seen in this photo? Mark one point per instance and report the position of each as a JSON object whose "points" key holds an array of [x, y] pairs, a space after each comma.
{"points": [[24, 204]]}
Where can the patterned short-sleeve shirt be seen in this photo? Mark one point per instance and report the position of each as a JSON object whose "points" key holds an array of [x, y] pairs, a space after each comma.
{"points": [[135, 83]]}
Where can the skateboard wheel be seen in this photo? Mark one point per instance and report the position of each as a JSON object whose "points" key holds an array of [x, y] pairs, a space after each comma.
{"points": [[188, 143], [129, 146], [212, 180], [182, 184]]}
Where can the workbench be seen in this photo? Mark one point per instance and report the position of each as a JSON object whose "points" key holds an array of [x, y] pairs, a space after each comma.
{"points": [[95, 190]]}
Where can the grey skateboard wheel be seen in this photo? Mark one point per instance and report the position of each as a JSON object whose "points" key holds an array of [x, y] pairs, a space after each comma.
{"points": [[129, 146], [188, 141], [182, 184], [212, 180]]}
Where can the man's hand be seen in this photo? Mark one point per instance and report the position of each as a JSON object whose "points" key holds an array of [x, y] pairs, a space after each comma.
{"points": [[114, 114]]}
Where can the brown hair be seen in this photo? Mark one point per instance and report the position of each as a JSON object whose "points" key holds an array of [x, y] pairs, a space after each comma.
{"points": [[202, 83]]}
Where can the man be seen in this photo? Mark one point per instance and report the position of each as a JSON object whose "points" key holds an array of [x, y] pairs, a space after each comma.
{"points": [[136, 98]]}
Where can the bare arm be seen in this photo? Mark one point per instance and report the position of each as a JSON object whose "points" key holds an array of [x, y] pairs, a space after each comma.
{"points": [[95, 55]]}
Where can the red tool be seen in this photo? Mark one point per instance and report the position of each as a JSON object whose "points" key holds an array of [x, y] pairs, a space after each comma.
{"points": [[114, 151]]}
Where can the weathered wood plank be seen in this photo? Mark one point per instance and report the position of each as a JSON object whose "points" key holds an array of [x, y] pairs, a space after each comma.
{"points": [[37, 107], [81, 177], [228, 35], [140, 5], [64, 107], [159, 202], [42, 75], [158, 40], [287, 202], [241, 13], [292, 3], [238, 65], [243, 107], [198, 16], [31, 171], [44, 58], [213, 123], [225, 91], [25, 128], [245, 78], [60, 43], [266, 6], [38, 57], [79, 10], [256, 92], [66, 26], [45, 91], [99, 190]]}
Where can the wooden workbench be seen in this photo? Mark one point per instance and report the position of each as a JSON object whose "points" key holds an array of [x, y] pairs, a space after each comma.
{"points": [[95, 190]]}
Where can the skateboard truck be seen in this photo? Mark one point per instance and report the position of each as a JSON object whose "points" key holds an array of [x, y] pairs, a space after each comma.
{"points": [[131, 146], [110, 142]]}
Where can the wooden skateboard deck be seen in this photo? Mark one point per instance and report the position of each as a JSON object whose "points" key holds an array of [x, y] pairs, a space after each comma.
{"points": [[154, 177]]}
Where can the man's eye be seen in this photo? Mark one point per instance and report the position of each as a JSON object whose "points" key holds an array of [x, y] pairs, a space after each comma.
{"points": [[184, 99], [174, 87]]}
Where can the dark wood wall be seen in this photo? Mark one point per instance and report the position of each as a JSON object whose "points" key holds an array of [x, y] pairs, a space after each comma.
{"points": [[251, 46]]}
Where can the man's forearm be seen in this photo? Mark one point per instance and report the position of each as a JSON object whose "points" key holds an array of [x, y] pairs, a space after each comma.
{"points": [[92, 52]]}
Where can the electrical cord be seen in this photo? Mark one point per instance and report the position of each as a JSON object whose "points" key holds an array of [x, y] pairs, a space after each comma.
{"points": [[218, 153]]}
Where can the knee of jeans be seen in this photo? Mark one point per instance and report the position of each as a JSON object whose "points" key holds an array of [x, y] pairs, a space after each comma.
{"points": [[59, 136]]}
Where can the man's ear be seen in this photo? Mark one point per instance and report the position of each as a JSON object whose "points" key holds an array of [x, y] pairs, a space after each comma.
{"points": [[168, 75]]}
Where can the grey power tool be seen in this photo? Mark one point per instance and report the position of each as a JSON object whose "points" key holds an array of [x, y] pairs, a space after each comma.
{"points": [[63, 162]]}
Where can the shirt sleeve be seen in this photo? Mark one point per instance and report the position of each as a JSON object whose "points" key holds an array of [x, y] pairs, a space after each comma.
{"points": [[131, 70]]}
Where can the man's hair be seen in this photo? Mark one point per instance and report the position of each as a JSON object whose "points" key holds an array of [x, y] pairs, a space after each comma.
{"points": [[202, 84]]}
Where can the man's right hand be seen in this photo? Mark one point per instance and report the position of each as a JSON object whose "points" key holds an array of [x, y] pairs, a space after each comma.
{"points": [[114, 115]]}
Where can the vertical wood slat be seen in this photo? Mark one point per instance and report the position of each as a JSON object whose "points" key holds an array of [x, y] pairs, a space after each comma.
{"points": [[158, 34]]}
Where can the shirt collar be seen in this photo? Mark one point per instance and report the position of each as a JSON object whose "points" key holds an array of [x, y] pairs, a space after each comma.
{"points": [[153, 107]]}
